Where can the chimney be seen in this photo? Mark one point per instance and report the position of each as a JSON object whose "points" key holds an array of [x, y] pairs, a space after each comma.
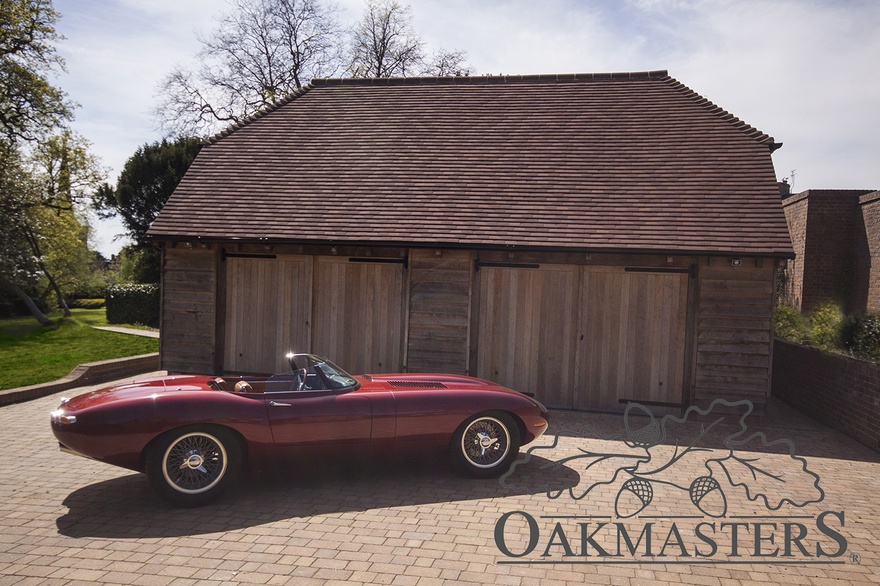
{"points": [[784, 188]]}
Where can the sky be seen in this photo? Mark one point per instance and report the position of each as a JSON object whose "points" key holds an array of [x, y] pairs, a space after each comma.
{"points": [[806, 72]]}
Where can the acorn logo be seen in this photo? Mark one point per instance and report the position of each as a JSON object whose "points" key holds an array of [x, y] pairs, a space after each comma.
{"points": [[707, 495], [652, 453], [634, 495]]}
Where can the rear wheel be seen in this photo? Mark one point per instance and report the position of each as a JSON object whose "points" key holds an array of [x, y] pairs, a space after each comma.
{"points": [[193, 466], [485, 445]]}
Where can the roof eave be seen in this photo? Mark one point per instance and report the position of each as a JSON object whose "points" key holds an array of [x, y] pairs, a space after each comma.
{"points": [[717, 252]]}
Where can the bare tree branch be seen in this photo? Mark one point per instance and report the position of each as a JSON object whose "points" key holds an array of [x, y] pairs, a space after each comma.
{"points": [[260, 51]]}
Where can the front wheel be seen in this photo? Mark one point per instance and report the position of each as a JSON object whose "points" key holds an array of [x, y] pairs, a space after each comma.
{"points": [[192, 466], [485, 445]]}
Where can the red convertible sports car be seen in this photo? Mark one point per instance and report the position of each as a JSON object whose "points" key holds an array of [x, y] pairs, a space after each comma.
{"points": [[193, 434]]}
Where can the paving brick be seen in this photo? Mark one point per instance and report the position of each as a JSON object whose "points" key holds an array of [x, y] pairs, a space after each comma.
{"points": [[75, 521]]}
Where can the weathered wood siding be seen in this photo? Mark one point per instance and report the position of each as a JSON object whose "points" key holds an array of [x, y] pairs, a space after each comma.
{"points": [[268, 312], [578, 332], [438, 339], [733, 342], [189, 288], [358, 314]]}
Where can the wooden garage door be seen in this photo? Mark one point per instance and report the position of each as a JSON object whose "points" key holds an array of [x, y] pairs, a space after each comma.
{"points": [[583, 337], [268, 308], [527, 335], [358, 314], [633, 337]]}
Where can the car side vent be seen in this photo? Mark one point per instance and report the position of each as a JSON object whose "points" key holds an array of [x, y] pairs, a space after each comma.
{"points": [[401, 384]]}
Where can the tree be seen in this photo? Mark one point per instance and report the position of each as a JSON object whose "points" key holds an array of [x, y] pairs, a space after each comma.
{"points": [[46, 172], [148, 179], [384, 44], [16, 261], [261, 51], [30, 106], [66, 175], [42, 237]]}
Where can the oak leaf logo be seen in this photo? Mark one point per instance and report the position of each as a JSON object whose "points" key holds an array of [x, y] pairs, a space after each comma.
{"points": [[667, 451]]}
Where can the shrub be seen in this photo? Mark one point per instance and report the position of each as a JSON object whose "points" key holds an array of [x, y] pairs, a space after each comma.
{"points": [[862, 336], [826, 327], [133, 304], [788, 323], [97, 303]]}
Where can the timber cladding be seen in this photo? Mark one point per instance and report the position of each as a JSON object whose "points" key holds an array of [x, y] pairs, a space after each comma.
{"points": [[734, 343], [438, 336], [189, 286], [578, 331]]}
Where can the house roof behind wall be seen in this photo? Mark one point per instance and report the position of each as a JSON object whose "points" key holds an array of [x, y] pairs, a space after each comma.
{"points": [[628, 162]]}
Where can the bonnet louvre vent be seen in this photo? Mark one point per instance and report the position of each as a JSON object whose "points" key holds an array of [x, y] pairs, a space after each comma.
{"points": [[416, 384]]}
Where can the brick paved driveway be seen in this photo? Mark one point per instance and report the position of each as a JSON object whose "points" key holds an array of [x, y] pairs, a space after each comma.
{"points": [[67, 520]]}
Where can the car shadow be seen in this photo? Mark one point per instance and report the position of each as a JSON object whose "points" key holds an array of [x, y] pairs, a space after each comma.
{"points": [[126, 507]]}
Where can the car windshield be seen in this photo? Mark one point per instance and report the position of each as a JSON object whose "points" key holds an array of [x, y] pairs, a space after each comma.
{"points": [[320, 372]]}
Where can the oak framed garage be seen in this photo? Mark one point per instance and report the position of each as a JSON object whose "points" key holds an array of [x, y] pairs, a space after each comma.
{"points": [[592, 239]]}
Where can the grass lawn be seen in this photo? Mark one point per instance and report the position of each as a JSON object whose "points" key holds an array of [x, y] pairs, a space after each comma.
{"points": [[30, 354]]}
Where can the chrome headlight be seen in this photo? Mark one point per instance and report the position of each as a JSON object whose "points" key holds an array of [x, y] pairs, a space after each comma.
{"points": [[58, 416]]}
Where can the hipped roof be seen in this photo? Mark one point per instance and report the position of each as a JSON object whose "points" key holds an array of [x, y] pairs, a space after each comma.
{"points": [[622, 162]]}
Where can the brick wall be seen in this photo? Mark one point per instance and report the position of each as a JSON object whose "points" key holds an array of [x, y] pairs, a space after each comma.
{"points": [[829, 254], [795, 208], [840, 392], [828, 235], [868, 273]]}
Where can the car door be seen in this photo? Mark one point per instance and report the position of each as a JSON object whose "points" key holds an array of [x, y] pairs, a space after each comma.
{"points": [[319, 417]]}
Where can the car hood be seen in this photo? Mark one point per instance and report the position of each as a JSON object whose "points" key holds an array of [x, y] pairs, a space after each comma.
{"points": [[138, 389]]}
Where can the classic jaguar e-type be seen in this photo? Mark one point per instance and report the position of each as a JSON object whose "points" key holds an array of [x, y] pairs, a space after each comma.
{"points": [[193, 434]]}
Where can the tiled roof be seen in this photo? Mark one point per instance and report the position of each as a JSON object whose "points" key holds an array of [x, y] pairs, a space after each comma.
{"points": [[633, 161]]}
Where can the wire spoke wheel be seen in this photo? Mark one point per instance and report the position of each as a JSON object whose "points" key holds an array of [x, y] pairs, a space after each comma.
{"points": [[485, 442], [194, 463]]}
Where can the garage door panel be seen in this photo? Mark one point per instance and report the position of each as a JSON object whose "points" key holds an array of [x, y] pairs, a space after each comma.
{"points": [[358, 314], [527, 330], [267, 312], [633, 346]]}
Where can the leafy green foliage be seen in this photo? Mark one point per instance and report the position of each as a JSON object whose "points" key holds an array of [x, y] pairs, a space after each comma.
{"points": [[147, 180], [788, 323], [30, 354], [827, 326], [45, 170], [30, 106], [862, 336], [43, 234], [140, 264], [133, 304]]}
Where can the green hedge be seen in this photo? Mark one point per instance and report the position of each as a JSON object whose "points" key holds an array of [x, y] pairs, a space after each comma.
{"points": [[133, 304]]}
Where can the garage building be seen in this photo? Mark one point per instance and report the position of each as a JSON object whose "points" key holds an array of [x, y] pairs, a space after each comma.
{"points": [[592, 239]]}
